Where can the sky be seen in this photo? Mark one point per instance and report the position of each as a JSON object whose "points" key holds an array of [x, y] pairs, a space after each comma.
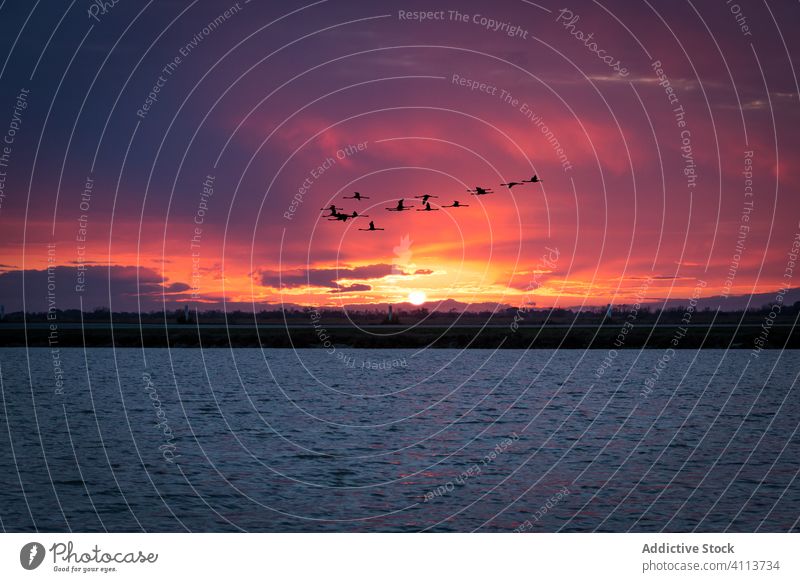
{"points": [[167, 153]]}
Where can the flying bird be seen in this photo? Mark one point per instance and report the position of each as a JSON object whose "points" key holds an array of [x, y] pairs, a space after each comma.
{"points": [[344, 216], [478, 191], [456, 204], [339, 216], [332, 209], [427, 208], [371, 227], [534, 180], [356, 196], [510, 185], [400, 207], [426, 197]]}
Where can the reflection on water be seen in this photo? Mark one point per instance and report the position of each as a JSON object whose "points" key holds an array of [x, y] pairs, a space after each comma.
{"points": [[443, 440]]}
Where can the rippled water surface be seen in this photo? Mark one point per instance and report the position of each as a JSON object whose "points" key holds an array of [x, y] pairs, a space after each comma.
{"points": [[396, 440]]}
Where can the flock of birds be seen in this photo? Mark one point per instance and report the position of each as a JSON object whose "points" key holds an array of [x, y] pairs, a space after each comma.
{"points": [[336, 214]]}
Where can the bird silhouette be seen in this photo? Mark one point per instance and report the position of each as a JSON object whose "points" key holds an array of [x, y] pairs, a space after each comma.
{"points": [[400, 207], [332, 209], [478, 191], [426, 197], [344, 216], [356, 196], [510, 185], [339, 216], [456, 204], [371, 227], [534, 180], [427, 208]]}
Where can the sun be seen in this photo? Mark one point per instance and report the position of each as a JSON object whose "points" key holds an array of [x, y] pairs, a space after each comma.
{"points": [[417, 297]]}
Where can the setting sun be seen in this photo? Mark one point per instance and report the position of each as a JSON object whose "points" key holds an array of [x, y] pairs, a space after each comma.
{"points": [[417, 297]]}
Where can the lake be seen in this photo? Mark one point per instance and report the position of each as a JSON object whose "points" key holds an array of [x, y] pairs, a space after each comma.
{"points": [[399, 440]]}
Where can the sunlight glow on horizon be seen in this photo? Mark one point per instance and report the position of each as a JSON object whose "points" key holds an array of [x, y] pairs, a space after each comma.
{"points": [[417, 297]]}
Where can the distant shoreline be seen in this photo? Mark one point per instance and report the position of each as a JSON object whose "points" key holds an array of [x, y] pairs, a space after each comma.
{"points": [[496, 336]]}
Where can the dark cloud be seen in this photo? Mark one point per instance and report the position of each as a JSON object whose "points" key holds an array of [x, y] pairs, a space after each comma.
{"points": [[352, 288], [658, 277], [176, 287], [322, 277], [122, 288]]}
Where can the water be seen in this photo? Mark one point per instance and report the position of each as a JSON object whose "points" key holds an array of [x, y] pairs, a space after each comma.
{"points": [[398, 440]]}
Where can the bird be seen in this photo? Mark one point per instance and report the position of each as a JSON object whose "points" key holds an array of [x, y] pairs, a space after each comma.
{"points": [[356, 196], [371, 227], [456, 204], [533, 180], [427, 208], [344, 216], [340, 216], [332, 209], [478, 191], [400, 207], [512, 184], [426, 197]]}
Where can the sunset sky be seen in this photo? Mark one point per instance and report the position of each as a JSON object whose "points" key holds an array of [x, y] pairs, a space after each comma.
{"points": [[640, 134]]}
